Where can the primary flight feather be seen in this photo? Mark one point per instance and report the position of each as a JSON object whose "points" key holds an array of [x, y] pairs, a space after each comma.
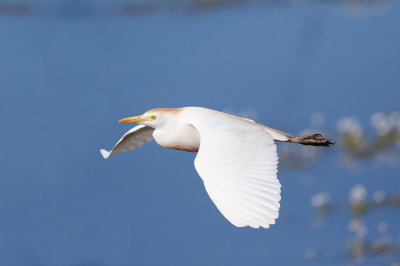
{"points": [[237, 158]]}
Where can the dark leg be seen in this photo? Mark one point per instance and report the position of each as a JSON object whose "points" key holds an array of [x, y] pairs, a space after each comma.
{"points": [[314, 140]]}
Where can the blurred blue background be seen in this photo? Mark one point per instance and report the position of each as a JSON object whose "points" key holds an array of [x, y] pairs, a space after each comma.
{"points": [[69, 70]]}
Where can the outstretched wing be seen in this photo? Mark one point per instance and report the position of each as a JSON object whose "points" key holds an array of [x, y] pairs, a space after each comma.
{"points": [[238, 164], [134, 138]]}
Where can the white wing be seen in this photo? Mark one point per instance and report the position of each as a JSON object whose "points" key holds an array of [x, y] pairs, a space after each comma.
{"points": [[238, 164], [134, 138]]}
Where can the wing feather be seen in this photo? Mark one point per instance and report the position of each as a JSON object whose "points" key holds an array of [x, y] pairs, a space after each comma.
{"points": [[133, 139], [237, 162]]}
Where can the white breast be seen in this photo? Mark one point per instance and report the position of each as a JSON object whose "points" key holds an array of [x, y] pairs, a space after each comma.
{"points": [[179, 138]]}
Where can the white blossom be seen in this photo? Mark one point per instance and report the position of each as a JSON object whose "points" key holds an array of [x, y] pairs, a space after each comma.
{"points": [[357, 194], [381, 123], [349, 125], [319, 199]]}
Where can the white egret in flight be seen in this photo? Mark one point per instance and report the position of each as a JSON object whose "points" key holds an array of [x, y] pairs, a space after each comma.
{"points": [[236, 157]]}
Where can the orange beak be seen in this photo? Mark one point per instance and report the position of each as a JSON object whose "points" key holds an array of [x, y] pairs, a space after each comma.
{"points": [[135, 119]]}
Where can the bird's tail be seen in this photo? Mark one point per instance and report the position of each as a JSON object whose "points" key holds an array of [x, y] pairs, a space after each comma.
{"points": [[314, 140]]}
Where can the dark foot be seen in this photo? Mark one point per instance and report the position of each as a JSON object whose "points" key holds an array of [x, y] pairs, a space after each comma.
{"points": [[314, 140]]}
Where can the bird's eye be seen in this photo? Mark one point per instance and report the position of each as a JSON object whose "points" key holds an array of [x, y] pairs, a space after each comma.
{"points": [[153, 117]]}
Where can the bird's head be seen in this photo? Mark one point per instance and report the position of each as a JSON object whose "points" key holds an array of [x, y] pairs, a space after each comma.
{"points": [[154, 118]]}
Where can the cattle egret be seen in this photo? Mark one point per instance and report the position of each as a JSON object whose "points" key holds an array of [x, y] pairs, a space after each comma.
{"points": [[236, 157]]}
